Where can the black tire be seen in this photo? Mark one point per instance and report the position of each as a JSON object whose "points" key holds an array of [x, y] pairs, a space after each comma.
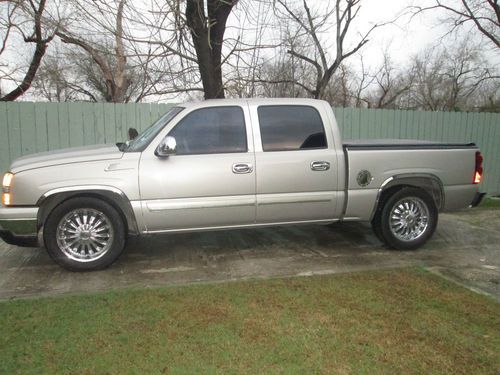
{"points": [[86, 260], [396, 237], [376, 226]]}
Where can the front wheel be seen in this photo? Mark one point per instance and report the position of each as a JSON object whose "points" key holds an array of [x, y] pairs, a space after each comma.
{"points": [[407, 219], [84, 234]]}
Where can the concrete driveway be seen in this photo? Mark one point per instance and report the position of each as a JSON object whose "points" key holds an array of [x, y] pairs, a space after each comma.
{"points": [[465, 248]]}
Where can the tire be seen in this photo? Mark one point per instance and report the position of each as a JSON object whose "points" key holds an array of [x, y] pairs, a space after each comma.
{"points": [[84, 234], [406, 220]]}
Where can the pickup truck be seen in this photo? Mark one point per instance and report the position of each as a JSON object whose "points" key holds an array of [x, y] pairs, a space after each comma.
{"points": [[223, 164]]}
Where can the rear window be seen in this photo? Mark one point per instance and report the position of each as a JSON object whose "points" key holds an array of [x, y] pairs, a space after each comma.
{"points": [[290, 128]]}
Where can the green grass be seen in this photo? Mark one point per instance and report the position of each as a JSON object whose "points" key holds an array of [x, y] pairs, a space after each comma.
{"points": [[490, 202], [402, 321]]}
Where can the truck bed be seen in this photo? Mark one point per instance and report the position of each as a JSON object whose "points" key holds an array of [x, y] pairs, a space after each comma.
{"points": [[451, 165], [402, 144]]}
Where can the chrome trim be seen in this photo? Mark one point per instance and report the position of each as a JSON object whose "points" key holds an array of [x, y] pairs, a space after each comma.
{"points": [[243, 226], [293, 198], [80, 188], [240, 168], [409, 219], [320, 165], [113, 193], [379, 193], [406, 176], [198, 203], [85, 234]]}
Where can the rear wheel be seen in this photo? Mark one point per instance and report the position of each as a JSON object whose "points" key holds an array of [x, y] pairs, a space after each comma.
{"points": [[407, 219], [84, 234]]}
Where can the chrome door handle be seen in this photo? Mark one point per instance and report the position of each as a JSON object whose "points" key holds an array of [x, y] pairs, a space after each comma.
{"points": [[320, 165], [240, 168]]}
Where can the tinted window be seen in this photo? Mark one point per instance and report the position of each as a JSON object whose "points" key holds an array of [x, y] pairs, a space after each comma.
{"points": [[141, 142], [284, 128], [211, 130]]}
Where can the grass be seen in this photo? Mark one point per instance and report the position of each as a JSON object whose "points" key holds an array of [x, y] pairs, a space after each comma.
{"points": [[490, 202], [403, 321]]}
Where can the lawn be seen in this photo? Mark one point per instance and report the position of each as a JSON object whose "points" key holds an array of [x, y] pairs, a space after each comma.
{"points": [[400, 321], [490, 202]]}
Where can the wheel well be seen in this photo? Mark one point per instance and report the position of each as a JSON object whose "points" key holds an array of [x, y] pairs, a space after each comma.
{"points": [[120, 204], [431, 186]]}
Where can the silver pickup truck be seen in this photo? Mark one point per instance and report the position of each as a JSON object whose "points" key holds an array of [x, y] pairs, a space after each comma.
{"points": [[226, 164]]}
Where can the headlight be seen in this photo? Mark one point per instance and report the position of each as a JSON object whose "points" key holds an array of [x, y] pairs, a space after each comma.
{"points": [[7, 180]]}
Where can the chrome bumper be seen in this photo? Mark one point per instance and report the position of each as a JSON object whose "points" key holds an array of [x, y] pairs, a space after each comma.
{"points": [[18, 225]]}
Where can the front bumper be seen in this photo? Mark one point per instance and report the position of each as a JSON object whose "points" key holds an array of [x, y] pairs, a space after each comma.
{"points": [[18, 225]]}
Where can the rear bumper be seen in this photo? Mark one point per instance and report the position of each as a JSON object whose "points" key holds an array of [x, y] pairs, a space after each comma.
{"points": [[477, 199], [18, 225]]}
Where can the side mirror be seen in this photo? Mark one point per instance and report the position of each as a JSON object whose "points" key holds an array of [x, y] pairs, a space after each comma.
{"points": [[167, 147]]}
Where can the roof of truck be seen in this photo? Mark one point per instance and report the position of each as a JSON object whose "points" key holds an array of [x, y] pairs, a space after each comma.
{"points": [[254, 101]]}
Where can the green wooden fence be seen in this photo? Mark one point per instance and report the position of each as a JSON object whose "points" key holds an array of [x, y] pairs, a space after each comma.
{"points": [[27, 128]]}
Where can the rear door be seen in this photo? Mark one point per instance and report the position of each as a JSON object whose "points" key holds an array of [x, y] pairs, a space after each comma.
{"points": [[296, 169], [210, 181]]}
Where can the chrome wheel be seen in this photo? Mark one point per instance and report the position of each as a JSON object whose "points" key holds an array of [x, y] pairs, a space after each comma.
{"points": [[409, 219], [84, 234]]}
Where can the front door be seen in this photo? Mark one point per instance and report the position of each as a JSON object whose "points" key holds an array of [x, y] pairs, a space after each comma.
{"points": [[209, 182]]}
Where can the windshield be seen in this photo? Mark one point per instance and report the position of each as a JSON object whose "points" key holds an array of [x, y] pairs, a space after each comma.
{"points": [[142, 140]]}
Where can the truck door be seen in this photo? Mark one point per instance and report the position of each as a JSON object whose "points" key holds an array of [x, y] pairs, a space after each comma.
{"points": [[296, 168], [210, 181]]}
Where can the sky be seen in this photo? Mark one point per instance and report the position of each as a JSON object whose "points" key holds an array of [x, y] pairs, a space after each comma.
{"points": [[403, 39]]}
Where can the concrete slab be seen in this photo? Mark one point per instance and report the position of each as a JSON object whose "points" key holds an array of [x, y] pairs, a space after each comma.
{"points": [[465, 248]]}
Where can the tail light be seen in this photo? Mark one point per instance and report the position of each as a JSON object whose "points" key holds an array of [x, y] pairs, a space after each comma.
{"points": [[478, 171]]}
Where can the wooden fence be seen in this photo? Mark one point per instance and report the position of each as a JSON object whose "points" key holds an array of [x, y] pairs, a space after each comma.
{"points": [[27, 128]]}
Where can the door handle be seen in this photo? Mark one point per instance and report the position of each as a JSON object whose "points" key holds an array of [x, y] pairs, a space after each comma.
{"points": [[240, 168], [320, 165]]}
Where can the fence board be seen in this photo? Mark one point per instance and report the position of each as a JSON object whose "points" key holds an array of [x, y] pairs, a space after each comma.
{"points": [[41, 127], [5, 155], [35, 127], [14, 130]]}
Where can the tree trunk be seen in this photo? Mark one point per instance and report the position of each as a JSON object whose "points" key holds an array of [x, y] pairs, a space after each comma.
{"points": [[41, 47], [30, 74], [207, 32]]}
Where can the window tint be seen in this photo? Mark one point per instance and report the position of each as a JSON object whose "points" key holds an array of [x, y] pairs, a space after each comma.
{"points": [[211, 130], [141, 142], [288, 127]]}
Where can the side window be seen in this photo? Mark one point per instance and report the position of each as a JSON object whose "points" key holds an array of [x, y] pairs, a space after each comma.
{"points": [[290, 127], [211, 131]]}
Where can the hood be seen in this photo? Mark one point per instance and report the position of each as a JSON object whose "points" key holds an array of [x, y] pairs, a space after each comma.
{"points": [[66, 156]]}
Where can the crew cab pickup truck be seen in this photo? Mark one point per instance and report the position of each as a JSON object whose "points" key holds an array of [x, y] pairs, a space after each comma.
{"points": [[226, 164]]}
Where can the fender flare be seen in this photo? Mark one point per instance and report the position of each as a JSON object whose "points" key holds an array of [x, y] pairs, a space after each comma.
{"points": [[110, 194], [426, 181]]}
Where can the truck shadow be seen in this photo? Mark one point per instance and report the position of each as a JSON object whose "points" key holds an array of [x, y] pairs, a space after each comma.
{"points": [[329, 240]]}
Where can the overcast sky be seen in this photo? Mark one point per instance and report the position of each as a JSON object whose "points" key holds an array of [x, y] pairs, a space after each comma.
{"points": [[402, 39]]}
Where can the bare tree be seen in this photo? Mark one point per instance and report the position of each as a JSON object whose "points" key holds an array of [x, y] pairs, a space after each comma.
{"points": [[390, 84], [113, 66], [207, 32], [449, 80], [338, 17], [483, 15], [32, 13]]}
